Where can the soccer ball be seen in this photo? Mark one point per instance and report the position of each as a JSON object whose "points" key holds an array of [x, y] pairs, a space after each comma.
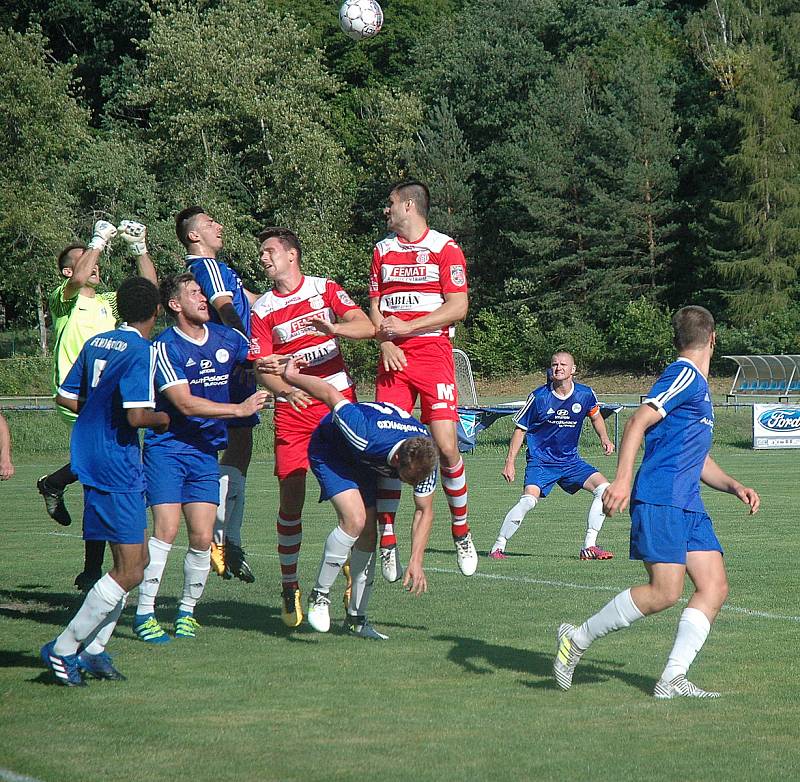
{"points": [[360, 18]]}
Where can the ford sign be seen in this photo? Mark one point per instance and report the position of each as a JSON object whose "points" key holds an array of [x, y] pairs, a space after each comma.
{"points": [[781, 420]]}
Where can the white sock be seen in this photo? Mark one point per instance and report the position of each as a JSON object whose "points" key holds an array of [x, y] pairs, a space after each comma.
{"points": [[153, 573], [594, 522], [196, 567], [234, 509], [362, 571], [513, 519], [337, 550], [99, 639], [614, 615], [99, 603], [693, 629], [231, 482]]}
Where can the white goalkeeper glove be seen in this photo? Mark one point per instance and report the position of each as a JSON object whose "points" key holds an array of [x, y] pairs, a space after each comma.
{"points": [[104, 232], [134, 234]]}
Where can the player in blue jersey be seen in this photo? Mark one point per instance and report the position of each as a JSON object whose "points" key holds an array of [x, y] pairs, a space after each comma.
{"points": [[195, 361], [110, 386], [351, 448], [670, 530], [230, 302], [551, 423]]}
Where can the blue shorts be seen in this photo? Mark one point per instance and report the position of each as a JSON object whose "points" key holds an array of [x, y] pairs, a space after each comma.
{"points": [[114, 516], [336, 474], [180, 476], [241, 385], [570, 477], [661, 533]]}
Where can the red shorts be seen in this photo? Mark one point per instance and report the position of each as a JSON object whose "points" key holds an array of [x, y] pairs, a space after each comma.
{"points": [[293, 432], [429, 375]]}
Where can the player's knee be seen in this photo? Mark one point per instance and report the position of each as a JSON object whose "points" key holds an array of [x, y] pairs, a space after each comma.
{"points": [[527, 502], [201, 540]]}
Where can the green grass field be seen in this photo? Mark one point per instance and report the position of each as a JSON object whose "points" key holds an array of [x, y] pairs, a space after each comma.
{"points": [[463, 688]]}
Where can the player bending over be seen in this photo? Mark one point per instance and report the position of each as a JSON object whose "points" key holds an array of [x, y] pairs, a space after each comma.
{"points": [[551, 423], [110, 386], [670, 530], [195, 360], [352, 446]]}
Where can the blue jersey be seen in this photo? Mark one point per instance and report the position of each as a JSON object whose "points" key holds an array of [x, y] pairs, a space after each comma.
{"points": [[553, 425], [676, 447], [368, 434], [216, 279], [113, 373], [204, 365]]}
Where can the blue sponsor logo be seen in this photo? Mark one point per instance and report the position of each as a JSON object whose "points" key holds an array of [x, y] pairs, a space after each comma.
{"points": [[781, 420]]}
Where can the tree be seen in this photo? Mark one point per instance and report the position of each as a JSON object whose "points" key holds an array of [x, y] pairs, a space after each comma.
{"points": [[759, 258], [42, 129]]}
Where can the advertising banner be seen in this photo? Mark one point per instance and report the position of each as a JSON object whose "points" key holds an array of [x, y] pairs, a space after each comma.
{"points": [[776, 426]]}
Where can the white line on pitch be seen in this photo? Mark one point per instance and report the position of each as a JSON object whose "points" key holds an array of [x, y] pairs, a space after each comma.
{"points": [[596, 588], [9, 776]]}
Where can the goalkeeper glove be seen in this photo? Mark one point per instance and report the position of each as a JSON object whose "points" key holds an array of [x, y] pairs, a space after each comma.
{"points": [[134, 234], [104, 232]]}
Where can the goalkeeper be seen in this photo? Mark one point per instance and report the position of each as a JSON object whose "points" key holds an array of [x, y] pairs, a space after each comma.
{"points": [[80, 312]]}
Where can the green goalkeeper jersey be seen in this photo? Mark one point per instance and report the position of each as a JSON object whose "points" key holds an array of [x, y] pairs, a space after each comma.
{"points": [[76, 320]]}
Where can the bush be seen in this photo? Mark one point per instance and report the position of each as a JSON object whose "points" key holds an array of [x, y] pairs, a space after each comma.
{"points": [[26, 376], [641, 336], [777, 333], [497, 344], [583, 340]]}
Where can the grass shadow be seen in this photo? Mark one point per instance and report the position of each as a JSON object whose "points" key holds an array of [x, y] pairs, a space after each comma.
{"points": [[479, 657]]}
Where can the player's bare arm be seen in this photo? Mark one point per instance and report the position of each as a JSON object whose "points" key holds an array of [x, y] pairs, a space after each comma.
{"points": [[228, 314], [509, 469], [251, 297], [714, 476], [6, 465], [269, 373], [392, 356], [134, 235], [313, 386], [618, 494], [190, 405], [144, 418], [415, 580], [83, 268], [352, 325], [454, 309], [599, 425]]}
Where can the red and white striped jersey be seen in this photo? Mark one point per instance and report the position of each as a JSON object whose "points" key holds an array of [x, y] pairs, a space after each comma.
{"points": [[281, 323], [411, 278]]}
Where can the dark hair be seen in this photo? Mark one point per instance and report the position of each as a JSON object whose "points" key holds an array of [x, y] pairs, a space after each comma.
{"points": [[416, 191], [137, 300], [692, 327], [170, 288], [63, 256], [183, 223], [288, 238], [416, 459]]}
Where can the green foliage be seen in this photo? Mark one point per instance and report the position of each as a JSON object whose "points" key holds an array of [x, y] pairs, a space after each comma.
{"points": [[641, 336], [584, 340], [42, 128], [775, 333], [26, 376]]}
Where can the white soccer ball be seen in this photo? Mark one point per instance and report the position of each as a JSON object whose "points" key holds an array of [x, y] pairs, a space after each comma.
{"points": [[360, 18]]}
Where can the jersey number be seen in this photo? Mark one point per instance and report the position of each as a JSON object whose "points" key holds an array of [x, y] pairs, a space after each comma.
{"points": [[97, 369]]}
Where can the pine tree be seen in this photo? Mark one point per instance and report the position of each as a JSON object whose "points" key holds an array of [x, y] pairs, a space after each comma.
{"points": [[760, 260]]}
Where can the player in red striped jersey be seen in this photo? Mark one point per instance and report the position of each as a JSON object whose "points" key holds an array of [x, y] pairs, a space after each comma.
{"points": [[302, 317], [418, 290]]}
